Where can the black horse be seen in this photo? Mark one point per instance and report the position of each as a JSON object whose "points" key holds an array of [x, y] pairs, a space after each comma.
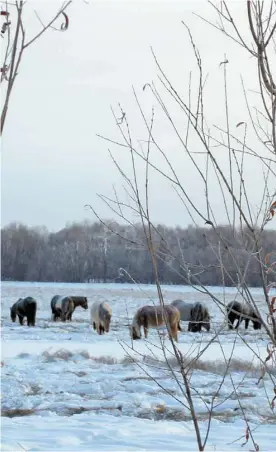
{"points": [[242, 312], [24, 307]]}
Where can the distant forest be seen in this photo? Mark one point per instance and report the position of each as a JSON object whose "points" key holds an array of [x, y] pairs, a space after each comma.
{"points": [[89, 252]]}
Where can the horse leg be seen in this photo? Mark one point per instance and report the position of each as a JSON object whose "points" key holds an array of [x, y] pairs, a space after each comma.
{"points": [[246, 321], [146, 326], [99, 329], [240, 319], [174, 330], [20, 318], [231, 320], [94, 326]]}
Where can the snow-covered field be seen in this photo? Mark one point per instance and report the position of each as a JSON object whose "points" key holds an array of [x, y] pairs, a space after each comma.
{"points": [[64, 388]]}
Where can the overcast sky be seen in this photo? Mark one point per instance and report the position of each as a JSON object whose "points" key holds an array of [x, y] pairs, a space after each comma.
{"points": [[53, 163]]}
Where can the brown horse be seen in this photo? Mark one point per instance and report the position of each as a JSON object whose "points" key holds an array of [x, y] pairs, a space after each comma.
{"points": [[153, 317], [78, 301]]}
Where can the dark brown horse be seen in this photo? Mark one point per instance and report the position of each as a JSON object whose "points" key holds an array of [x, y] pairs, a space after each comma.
{"points": [[24, 307], [78, 301], [242, 312], [153, 317]]}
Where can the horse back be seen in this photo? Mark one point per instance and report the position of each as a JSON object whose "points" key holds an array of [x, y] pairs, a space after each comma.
{"points": [[235, 306], [184, 308], [23, 305], [156, 315], [99, 309]]}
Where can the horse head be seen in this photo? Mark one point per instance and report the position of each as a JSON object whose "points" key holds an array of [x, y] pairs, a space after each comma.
{"points": [[135, 332], [257, 324], [206, 321], [13, 314], [194, 327], [106, 321], [84, 303]]}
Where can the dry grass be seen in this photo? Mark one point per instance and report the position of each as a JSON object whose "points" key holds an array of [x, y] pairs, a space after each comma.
{"points": [[23, 355], [67, 355], [16, 412], [161, 413], [213, 366], [71, 411], [63, 355], [67, 411], [105, 359]]}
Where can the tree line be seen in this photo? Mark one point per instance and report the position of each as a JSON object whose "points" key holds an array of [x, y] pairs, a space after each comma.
{"points": [[93, 252]]}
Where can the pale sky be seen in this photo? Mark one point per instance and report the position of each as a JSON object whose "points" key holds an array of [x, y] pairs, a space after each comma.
{"points": [[52, 161]]}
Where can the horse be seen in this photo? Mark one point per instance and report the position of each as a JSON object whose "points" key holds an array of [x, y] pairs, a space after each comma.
{"points": [[24, 307], [78, 301], [196, 314], [101, 314], [63, 307], [242, 311], [155, 316]]}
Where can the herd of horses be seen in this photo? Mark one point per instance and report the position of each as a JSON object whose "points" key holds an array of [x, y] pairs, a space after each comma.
{"points": [[168, 315]]}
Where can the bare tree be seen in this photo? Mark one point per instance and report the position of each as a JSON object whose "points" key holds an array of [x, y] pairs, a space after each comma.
{"points": [[250, 138], [15, 41]]}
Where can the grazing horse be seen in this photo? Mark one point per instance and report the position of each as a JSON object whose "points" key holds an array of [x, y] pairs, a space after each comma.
{"points": [[78, 301], [155, 316], [242, 311], [63, 307], [196, 314], [24, 307], [101, 314]]}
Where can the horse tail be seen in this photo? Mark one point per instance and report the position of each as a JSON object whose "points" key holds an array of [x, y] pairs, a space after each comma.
{"points": [[196, 312], [65, 308]]}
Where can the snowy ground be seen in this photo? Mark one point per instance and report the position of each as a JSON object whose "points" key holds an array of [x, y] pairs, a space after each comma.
{"points": [[64, 388]]}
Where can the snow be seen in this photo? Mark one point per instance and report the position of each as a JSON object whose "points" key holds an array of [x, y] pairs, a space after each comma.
{"points": [[69, 389]]}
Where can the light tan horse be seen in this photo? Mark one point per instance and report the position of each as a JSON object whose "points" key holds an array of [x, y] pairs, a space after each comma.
{"points": [[101, 314], [153, 317]]}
